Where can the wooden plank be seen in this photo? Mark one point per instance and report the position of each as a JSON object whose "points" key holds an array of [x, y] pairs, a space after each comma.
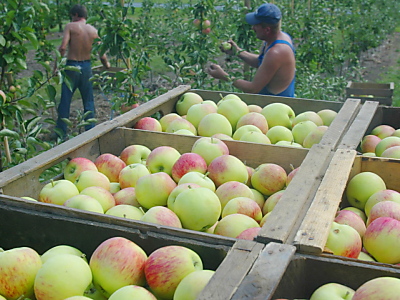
{"points": [[313, 232], [231, 271], [288, 213], [266, 273]]}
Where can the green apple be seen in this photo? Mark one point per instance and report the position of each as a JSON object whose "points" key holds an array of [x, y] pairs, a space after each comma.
{"points": [[233, 110], [28, 198], [198, 178], [235, 224], [110, 165], [362, 186], [148, 123], [59, 191], [76, 166], [197, 208], [386, 143], [210, 148], [253, 118], [396, 132], [327, 116], [176, 191], [233, 189], [308, 116], [382, 195], [368, 143], [192, 285], [18, 269], [62, 249], [92, 178], [315, 136], [255, 137], [264, 219], [226, 46], [161, 215], [135, 154], [288, 144], [243, 205], [271, 201], [358, 211], [131, 173], [392, 152], [62, 276], [301, 130], [211, 102], [104, 197], [332, 291], [198, 111], [167, 266], [384, 288], [384, 209], [226, 168], [126, 196], [78, 298], [167, 119], [383, 131], [84, 202], [278, 114], [279, 133], [184, 132], [125, 211], [352, 219], [366, 257], [179, 124], [186, 101], [214, 123], [344, 240], [258, 197], [244, 129], [117, 262], [268, 178], [114, 187], [255, 108], [161, 159], [130, 292], [222, 136]]}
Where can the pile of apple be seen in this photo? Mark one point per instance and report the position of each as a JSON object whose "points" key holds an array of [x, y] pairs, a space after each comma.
{"points": [[206, 189], [203, 25], [118, 269], [232, 119], [383, 141], [369, 229]]}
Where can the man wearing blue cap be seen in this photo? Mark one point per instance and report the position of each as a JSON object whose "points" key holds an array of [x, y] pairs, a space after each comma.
{"points": [[276, 63]]}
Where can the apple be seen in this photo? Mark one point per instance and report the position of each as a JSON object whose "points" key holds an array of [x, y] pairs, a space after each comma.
{"points": [[315, 136], [344, 240], [327, 116], [117, 262], [249, 234], [352, 219], [110, 165], [196, 23], [161, 159], [28, 198], [135, 154], [331, 291], [76, 166], [385, 288], [264, 219], [129, 175], [167, 266], [184, 132], [18, 269], [258, 197], [62, 276], [167, 119], [358, 211], [179, 124], [211, 102], [383, 131], [369, 142], [396, 132], [104, 197], [129, 292], [127, 107], [126, 196], [278, 114], [62, 249], [291, 174], [392, 152], [198, 111], [226, 46], [250, 171], [84, 202], [188, 162], [222, 136], [308, 116], [243, 205], [244, 129], [206, 24], [154, 189], [366, 257], [59, 191], [233, 110], [92, 178], [288, 144], [271, 201], [386, 143], [253, 118], [161, 215], [77, 298], [383, 195], [279, 133], [192, 285], [198, 178], [206, 30], [384, 209], [125, 211], [301, 130], [186, 101], [148, 123], [362, 186], [210, 148], [255, 137], [381, 240], [176, 191], [254, 108], [268, 178], [94, 293], [114, 187], [370, 154], [3, 95], [233, 189], [226, 168], [233, 225], [214, 123]]}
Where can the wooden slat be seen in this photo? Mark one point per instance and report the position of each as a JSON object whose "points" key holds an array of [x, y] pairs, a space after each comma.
{"points": [[266, 273], [313, 232], [231, 271]]}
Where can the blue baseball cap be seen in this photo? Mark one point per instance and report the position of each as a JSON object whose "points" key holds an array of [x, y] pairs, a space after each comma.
{"points": [[266, 13]]}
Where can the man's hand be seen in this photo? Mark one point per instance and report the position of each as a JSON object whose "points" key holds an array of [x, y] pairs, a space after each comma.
{"points": [[233, 49], [217, 72]]}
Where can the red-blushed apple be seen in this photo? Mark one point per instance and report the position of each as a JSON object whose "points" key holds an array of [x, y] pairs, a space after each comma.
{"points": [[167, 119], [199, 179], [315, 136], [62, 276], [258, 197], [126, 211], [331, 291], [76, 166], [344, 240], [176, 191], [148, 123], [368, 143], [386, 143], [253, 118], [214, 123], [59, 191], [110, 165], [233, 225], [291, 175], [255, 137], [161, 215], [104, 197], [135, 154], [249, 234], [197, 208], [187, 100], [192, 285], [301, 130], [384, 209], [278, 114], [381, 240], [210, 148], [161, 159], [383, 195], [255, 108], [327, 115], [226, 168], [382, 288], [179, 124], [244, 129], [392, 152], [233, 189], [271, 201], [129, 292], [154, 189], [222, 136], [129, 175], [362, 186], [243, 205], [117, 262], [206, 30], [358, 211], [308, 116], [126, 107], [352, 219], [268, 178], [167, 266], [198, 111], [188, 162], [126, 196], [62, 249], [92, 178], [383, 131], [211, 229], [233, 110], [18, 269], [84, 202]]}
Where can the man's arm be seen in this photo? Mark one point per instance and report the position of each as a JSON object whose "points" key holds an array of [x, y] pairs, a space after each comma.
{"points": [[65, 40]]}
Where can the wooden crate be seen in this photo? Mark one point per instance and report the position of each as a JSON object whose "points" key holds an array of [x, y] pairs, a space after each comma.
{"points": [[368, 91]]}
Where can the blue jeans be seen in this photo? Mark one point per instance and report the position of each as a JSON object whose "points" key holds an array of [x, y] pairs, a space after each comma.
{"points": [[80, 80]]}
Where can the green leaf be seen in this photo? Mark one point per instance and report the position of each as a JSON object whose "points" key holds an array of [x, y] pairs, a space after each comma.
{"points": [[32, 38], [2, 40], [9, 133], [21, 62], [51, 92], [72, 68]]}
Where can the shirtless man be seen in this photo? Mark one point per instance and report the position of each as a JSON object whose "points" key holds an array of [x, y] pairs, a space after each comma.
{"points": [[78, 39], [276, 64]]}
